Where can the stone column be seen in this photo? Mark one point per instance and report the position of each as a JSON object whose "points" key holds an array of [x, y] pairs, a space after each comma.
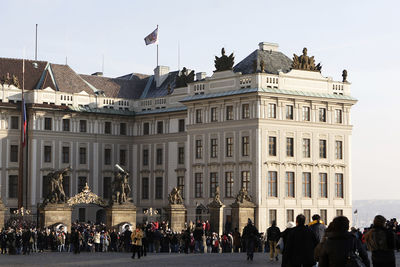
{"points": [[176, 216], [51, 214], [118, 214], [216, 217], [3, 209]]}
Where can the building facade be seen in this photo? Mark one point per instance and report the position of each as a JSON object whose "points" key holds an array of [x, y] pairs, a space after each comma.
{"points": [[281, 132]]}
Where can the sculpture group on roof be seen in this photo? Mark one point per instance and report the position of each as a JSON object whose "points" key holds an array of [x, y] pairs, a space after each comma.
{"points": [[10, 80], [183, 78], [224, 62], [304, 62]]}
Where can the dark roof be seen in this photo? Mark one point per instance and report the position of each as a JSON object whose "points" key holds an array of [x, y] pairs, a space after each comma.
{"points": [[32, 75], [152, 91], [68, 81], [274, 62], [119, 87]]}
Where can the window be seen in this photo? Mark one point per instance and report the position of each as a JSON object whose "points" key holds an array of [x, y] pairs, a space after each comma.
{"points": [[290, 184], [290, 215], [272, 111], [339, 149], [307, 214], [214, 148], [306, 184], [306, 148], [160, 126], [47, 124], [66, 183], [82, 155], [272, 184], [159, 187], [181, 185], [199, 117], [12, 186], [107, 187], [272, 145], [245, 180], [81, 183], [47, 153], [229, 146], [306, 113], [338, 116], [122, 128], [245, 146], [66, 125], [289, 112], [159, 156], [339, 212], [339, 185], [323, 214], [199, 149], [198, 183], [323, 185], [14, 122], [322, 149], [65, 154], [181, 125], [146, 128], [107, 127], [289, 147], [272, 216], [107, 156], [13, 153], [322, 114], [145, 188], [82, 214], [229, 113], [214, 114], [122, 157], [181, 155], [145, 157], [213, 183], [229, 184], [245, 111], [82, 126]]}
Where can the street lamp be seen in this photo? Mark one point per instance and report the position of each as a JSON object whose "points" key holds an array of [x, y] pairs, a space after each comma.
{"points": [[22, 211]]}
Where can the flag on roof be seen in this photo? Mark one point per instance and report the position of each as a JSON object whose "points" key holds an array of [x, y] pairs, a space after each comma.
{"points": [[152, 37], [24, 123]]}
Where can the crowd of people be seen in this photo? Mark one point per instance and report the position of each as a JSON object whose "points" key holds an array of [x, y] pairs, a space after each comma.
{"points": [[300, 244]]}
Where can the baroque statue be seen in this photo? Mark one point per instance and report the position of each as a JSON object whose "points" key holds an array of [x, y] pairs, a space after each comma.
{"points": [[243, 196], [183, 78], [216, 202], [304, 62], [121, 187], [15, 81], [175, 196], [56, 193], [344, 75], [224, 62]]}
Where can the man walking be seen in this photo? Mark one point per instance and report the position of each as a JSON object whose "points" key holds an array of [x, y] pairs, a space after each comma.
{"points": [[250, 235], [273, 235]]}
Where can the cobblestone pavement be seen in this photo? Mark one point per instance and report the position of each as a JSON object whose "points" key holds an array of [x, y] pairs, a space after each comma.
{"points": [[123, 259]]}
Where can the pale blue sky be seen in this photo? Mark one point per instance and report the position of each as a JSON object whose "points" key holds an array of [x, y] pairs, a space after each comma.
{"points": [[361, 36]]}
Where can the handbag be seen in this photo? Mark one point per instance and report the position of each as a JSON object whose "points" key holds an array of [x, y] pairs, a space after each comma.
{"points": [[352, 259]]}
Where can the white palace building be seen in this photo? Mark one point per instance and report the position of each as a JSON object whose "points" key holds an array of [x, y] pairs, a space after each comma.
{"points": [[270, 124]]}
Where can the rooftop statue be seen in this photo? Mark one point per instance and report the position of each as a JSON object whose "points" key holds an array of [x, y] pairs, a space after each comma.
{"points": [[344, 75], [175, 196], [184, 78], [305, 62], [121, 187], [224, 62], [56, 190], [216, 202]]}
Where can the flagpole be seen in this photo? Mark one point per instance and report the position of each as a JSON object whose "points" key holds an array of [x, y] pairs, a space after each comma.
{"points": [[157, 45], [21, 148]]}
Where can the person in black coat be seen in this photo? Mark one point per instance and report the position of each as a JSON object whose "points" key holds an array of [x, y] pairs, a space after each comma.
{"points": [[75, 241], [26, 238], [299, 248], [273, 235], [250, 235], [339, 244], [317, 227]]}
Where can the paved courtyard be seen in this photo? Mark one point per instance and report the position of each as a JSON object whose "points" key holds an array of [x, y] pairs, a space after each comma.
{"points": [[123, 259]]}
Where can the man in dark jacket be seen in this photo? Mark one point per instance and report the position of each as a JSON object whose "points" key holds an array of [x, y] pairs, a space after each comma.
{"points": [[198, 238], [300, 245], [381, 242], [26, 238], [250, 235], [317, 227], [339, 245], [273, 235]]}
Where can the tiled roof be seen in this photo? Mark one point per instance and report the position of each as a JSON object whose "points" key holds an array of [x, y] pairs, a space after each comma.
{"points": [[274, 62], [68, 81], [33, 72], [153, 91]]}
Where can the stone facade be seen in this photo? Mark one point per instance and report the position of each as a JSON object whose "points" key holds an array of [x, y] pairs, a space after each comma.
{"points": [[120, 214], [176, 214], [52, 214]]}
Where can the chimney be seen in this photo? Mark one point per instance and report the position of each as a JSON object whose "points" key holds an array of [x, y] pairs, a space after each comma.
{"points": [[160, 74], [200, 76], [264, 46], [98, 73]]}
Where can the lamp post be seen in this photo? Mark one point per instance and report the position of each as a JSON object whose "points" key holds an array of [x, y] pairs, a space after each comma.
{"points": [[151, 212]]}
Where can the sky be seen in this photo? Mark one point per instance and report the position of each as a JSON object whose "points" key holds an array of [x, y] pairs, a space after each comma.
{"points": [[360, 36]]}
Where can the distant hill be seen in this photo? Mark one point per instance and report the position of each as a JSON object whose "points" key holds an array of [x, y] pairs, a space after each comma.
{"points": [[367, 209]]}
